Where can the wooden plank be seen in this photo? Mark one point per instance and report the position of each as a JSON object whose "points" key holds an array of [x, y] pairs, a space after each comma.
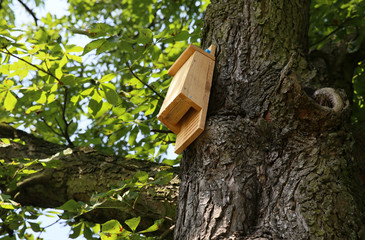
{"points": [[177, 112], [190, 130], [186, 55], [193, 123], [195, 82], [175, 89]]}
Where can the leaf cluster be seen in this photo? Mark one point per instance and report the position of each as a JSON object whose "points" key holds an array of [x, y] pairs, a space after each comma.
{"points": [[104, 92]]}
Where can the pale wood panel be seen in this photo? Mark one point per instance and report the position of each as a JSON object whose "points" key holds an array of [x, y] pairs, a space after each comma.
{"points": [[186, 55], [175, 89], [196, 80], [190, 130], [193, 124], [185, 107], [178, 111]]}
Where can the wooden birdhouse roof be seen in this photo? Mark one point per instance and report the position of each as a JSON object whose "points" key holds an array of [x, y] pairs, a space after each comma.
{"points": [[186, 55]]}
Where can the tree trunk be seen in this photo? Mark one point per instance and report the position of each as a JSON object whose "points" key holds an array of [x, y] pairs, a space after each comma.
{"points": [[275, 160]]}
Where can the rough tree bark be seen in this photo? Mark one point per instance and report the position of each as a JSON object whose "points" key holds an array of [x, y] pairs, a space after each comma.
{"points": [[275, 160]]}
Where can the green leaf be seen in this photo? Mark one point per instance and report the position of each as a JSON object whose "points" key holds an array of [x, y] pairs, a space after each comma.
{"points": [[98, 29], [4, 42], [141, 176], [95, 104], [43, 98], [157, 224], [88, 91], [88, 234], [155, 53], [163, 177], [4, 197], [71, 206], [133, 223], [76, 58], [93, 45], [6, 205], [76, 230], [112, 226], [33, 109], [35, 227], [10, 101], [59, 73], [96, 228], [8, 83], [171, 162], [73, 48], [111, 95], [133, 136], [105, 47], [182, 36], [145, 36], [63, 61], [119, 110], [69, 80], [107, 78], [151, 108]]}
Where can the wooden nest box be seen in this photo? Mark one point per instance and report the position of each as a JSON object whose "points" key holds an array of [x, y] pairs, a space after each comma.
{"points": [[185, 106]]}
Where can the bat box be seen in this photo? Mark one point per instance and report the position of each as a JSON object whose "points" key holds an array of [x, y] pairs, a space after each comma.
{"points": [[185, 106]]}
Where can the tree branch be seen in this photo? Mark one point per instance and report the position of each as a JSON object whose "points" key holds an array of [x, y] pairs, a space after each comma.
{"points": [[161, 131], [30, 11], [31, 64], [67, 124], [84, 173], [65, 133], [151, 88], [50, 128], [339, 27]]}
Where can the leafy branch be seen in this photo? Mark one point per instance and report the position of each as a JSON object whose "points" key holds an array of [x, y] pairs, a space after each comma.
{"points": [[33, 65], [64, 133], [144, 83]]}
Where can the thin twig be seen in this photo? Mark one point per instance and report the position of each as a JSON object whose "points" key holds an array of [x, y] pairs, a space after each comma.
{"points": [[161, 131], [31, 64], [331, 33], [327, 36], [164, 234], [64, 134], [153, 90], [54, 131], [30, 11], [50, 225], [60, 127]]}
